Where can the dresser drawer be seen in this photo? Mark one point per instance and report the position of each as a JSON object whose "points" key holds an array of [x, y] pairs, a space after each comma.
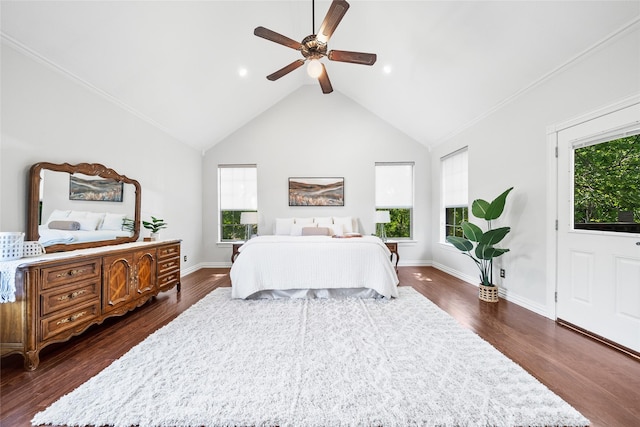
{"points": [[64, 274], [69, 296], [169, 280], [169, 251], [168, 265], [68, 319]]}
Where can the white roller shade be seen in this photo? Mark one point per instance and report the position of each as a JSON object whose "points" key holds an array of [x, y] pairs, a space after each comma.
{"points": [[238, 187], [455, 179], [394, 185]]}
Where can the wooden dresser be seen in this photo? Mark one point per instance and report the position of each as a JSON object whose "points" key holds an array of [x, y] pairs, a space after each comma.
{"points": [[61, 297]]}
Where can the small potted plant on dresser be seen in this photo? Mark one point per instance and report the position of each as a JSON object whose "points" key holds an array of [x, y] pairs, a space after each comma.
{"points": [[155, 225], [479, 245]]}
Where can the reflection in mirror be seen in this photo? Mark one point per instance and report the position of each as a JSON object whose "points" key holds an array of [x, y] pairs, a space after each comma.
{"points": [[81, 206]]}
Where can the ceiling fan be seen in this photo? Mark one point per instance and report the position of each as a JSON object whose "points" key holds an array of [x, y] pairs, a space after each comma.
{"points": [[314, 47]]}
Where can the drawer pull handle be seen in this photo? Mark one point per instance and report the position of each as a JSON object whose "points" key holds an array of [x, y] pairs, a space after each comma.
{"points": [[72, 273], [71, 318], [72, 295]]}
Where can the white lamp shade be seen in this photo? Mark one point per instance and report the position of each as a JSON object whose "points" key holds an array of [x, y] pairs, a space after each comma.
{"points": [[249, 218], [382, 217]]}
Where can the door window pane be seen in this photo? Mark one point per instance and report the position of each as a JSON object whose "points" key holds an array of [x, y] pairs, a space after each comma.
{"points": [[606, 185]]}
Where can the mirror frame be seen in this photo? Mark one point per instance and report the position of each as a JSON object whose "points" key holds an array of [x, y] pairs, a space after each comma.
{"points": [[93, 169]]}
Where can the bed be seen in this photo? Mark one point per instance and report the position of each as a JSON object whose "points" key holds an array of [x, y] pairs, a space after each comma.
{"points": [[313, 266], [67, 226]]}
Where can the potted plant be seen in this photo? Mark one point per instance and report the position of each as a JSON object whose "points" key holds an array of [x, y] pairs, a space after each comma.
{"points": [[479, 245], [155, 225]]}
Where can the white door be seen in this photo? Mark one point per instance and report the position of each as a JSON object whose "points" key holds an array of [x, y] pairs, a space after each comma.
{"points": [[598, 272]]}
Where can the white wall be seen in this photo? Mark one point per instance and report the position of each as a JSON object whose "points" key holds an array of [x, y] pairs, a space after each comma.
{"points": [[48, 116], [315, 135], [509, 148]]}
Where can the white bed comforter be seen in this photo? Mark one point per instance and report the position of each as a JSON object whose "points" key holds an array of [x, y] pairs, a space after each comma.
{"points": [[313, 262]]}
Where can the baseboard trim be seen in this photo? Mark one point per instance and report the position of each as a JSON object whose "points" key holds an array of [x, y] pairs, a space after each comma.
{"points": [[502, 293]]}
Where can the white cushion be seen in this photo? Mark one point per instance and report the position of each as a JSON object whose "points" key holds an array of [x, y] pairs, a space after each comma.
{"points": [[88, 223], [316, 231], [304, 220], [98, 215], [112, 221], [283, 226], [323, 220], [338, 229], [296, 229], [346, 222], [75, 215]]}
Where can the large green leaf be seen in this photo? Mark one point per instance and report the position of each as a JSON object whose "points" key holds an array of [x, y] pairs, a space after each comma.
{"points": [[497, 206], [491, 237], [460, 243], [479, 208], [488, 252], [471, 231]]}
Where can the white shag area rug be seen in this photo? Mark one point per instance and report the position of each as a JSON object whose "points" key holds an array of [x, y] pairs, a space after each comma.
{"points": [[322, 362]]}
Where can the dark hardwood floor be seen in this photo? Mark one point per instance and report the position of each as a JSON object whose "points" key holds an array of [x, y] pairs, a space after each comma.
{"points": [[603, 384]]}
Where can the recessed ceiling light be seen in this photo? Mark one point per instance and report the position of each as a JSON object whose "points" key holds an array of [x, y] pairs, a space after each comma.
{"points": [[242, 72], [387, 69]]}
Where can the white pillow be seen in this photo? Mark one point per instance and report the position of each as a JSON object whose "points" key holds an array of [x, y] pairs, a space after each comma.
{"points": [[112, 221], [346, 222], [296, 229], [75, 215], [283, 226], [58, 215], [304, 220], [98, 215], [323, 220], [338, 229], [88, 224]]}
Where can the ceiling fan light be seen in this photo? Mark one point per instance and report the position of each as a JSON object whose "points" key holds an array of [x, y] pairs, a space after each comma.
{"points": [[314, 68]]}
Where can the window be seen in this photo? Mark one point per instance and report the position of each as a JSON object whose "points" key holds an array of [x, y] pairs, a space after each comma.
{"points": [[238, 192], [394, 193], [455, 183], [606, 184]]}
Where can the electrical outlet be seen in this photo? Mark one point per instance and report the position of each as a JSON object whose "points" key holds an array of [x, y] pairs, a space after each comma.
{"points": [[185, 258], [502, 273]]}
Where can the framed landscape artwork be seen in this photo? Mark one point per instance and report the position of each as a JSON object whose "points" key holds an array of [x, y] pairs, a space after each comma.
{"points": [[102, 190], [316, 191]]}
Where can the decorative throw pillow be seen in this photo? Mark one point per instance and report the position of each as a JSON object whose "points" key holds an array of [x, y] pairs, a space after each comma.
{"points": [[283, 226], [346, 222], [60, 224], [112, 221], [338, 229], [296, 229], [57, 215], [88, 224], [304, 220], [323, 220], [99, 216], [75, 215], [316, 231]]}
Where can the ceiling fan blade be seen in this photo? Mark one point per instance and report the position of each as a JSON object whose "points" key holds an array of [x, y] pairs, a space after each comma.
{"points": [[335, 14], [285, 70], [266, 33], [352, 57], [324, 81]]}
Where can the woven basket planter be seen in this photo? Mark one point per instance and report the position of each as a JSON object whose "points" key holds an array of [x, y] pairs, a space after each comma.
{"points": [[488, 293]]}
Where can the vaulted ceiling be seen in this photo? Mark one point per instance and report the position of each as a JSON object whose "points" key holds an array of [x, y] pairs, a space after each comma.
{"points": [[442, 65]]}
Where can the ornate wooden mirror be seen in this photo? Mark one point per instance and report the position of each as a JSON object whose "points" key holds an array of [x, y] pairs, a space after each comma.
{"points": [[81, 206]]}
